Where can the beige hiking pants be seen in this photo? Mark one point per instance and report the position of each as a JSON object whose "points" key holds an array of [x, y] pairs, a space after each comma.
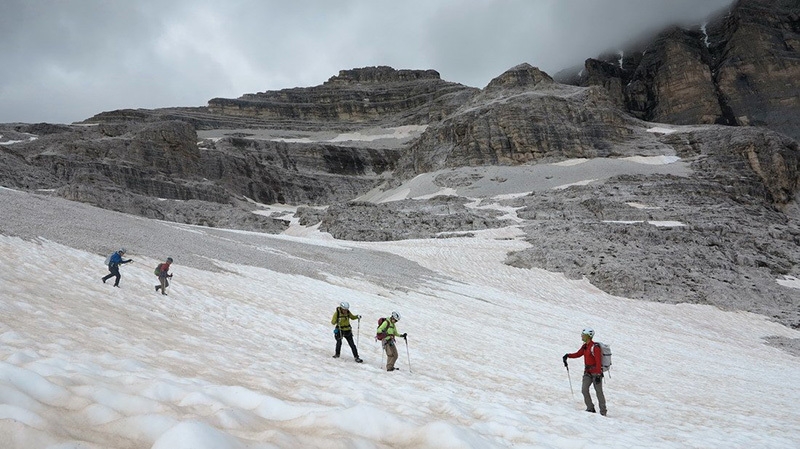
{"points": [[391, 354]]}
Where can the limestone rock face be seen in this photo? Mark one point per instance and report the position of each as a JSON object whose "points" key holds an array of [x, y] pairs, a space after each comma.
{"points": [[758, 63], [521, 76], [524, 117], [157, 169], [367, 95], [673, 83], [740, 69]]}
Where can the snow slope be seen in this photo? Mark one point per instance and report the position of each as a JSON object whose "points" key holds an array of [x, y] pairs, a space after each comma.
{"points": [[239, 354]]}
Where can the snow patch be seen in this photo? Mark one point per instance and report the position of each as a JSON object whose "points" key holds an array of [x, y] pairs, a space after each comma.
{"points": [[667, 224], [661, 130], [789, 281], [570, 162], [641, 206], [579, 183], [653, 160], [660, 224], [705, 34]]}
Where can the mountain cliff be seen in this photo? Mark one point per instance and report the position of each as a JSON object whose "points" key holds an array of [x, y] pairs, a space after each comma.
{"points": [[741, 68]]}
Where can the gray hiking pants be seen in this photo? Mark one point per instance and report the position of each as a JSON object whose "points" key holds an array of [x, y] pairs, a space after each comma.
{"points": [[597, 380], [391, 354], [164, 284]]}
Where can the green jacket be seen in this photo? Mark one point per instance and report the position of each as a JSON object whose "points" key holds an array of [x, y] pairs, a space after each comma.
{"points": [[341, 318], [390, 329]]}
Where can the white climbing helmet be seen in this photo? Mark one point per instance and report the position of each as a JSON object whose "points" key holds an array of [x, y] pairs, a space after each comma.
{"points": [[122, 251], [588, 331], [396, 316], [345, 305]]}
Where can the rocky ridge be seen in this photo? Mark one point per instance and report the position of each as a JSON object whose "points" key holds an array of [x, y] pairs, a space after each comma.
{"points": [[741, 68]]}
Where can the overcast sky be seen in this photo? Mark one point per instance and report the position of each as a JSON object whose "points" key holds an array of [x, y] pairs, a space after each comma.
{"points": [[66, 60]]}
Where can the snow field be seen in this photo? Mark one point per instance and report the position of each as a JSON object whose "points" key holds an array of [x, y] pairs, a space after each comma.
{"points": [[241, 358]]}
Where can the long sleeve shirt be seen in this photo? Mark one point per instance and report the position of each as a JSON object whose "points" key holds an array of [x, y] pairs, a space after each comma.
{"points": [[341, 318], [592, 357]]}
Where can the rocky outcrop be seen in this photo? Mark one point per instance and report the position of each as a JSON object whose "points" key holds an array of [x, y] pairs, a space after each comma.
{"points": [[407, 219], [524, 117], [721, 236], [757, 63], [156, 169], [368, 95], [741, 69]]}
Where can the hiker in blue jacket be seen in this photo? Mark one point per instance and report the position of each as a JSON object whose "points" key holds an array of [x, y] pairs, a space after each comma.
{"points": [[113, 266]]}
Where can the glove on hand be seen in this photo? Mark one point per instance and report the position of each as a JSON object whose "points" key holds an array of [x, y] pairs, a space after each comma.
{"points": [[404, 335], [359, 317], [566, 356]]}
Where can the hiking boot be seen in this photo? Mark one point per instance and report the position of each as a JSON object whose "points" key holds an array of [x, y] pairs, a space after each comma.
{"points": [[590, 410], [336, 356], [157, 287], [603, 412], [358, 360], [392, 369]]}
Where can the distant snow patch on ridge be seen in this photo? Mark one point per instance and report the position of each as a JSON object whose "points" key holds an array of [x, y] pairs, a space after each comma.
{"points": [[492, 181], [11, 142], [789, 281], [579, 183], [666, 224], [641, 206], [705, 34], [660, 130], [570, 162], [653, 160], [400, 132], [659, 224]]}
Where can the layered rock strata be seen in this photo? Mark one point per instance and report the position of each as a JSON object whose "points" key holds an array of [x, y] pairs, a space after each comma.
{"points": [[742, 68], [367, 95]]}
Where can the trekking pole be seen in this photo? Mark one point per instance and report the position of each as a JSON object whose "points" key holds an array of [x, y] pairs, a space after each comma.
{"points": [[408, 355], [358, 331], [570, 381]]}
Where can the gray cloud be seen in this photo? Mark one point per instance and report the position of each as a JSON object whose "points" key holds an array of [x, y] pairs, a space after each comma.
{"points": [[63, 61]]}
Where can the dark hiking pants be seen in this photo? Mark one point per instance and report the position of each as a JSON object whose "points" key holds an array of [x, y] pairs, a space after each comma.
{"points": [[348, 335], [113, 271]]}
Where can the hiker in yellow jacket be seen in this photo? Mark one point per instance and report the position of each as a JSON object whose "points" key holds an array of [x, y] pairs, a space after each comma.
{"points": [[341, 318], [389, 328]]}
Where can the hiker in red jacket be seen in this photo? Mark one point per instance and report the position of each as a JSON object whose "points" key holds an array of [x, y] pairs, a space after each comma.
{"points": [[163, 275], [593, 372]]}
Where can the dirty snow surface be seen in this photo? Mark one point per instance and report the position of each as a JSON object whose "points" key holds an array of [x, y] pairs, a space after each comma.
{"points": [[238, 355]]}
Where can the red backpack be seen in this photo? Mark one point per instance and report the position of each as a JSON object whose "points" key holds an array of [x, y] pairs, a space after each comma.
{"points": [[381, 335]]}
